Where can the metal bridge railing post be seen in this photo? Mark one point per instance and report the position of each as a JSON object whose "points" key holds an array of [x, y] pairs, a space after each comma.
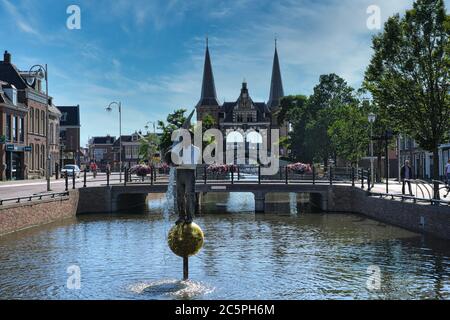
{"points": [[353, 176], [107, 177], [73, 178], [314, 174], [331, 175], [362, 178], [66, 177], [84, 178], [259, 174], [232, 175], [205, 174], [369, 180], [286, 172]]}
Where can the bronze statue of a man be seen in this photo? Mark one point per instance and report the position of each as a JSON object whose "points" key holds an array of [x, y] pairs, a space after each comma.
{"points": [[185, 157]]}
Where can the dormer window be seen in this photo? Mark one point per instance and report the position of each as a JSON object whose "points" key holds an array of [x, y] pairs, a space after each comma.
{"points": [[11, 93]]}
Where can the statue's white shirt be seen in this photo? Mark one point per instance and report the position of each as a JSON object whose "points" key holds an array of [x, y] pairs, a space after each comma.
{"points": [[186, 157]]}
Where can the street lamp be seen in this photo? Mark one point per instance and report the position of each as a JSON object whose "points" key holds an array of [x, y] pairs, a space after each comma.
{"points": [[372, 118], [109, 108], [154, 128], [42, 72]]}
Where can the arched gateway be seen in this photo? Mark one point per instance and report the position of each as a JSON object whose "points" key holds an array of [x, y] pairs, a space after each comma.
{"points": [[242, 115]]}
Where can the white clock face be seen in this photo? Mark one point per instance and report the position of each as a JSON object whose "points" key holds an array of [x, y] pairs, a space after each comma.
{"points": [[244, 95]]}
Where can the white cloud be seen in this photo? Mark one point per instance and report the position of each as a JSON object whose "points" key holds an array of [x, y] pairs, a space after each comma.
{"points": [[314, 38], [20, 20]]}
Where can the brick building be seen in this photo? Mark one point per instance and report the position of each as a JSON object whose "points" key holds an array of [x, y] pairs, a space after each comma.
{"points": [[101, 150], [130, 151], [13, 135], [30, 96], [69, 132], [53, 137]]}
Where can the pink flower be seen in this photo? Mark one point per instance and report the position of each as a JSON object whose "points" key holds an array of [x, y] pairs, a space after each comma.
{"points": [[221, 168], [299, 167], [141, 170]]}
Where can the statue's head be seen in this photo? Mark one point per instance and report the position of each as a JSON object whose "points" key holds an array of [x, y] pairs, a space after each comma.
{"points": [[186, 126]]}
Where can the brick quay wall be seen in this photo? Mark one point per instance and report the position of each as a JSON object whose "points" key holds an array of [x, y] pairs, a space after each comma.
{"points": [[19, 216], [421, 218]]}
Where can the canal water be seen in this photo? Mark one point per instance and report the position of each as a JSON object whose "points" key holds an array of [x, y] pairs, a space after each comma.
{"points": [[294, 255]]}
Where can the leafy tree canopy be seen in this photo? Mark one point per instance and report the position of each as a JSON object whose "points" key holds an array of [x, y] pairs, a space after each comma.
{"points": [[409, 74], [175, 121]]}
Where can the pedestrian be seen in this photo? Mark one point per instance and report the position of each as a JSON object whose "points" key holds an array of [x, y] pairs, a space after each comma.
{"points": [[94, 169], [447, 172], [406, 175], [108, 168]]}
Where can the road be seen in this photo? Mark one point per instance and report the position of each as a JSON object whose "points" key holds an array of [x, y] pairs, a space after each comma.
{"points": [[25, 188]]}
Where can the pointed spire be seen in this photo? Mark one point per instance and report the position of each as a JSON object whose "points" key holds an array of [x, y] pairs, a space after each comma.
{"points": [[276, 85], [209, 96]]}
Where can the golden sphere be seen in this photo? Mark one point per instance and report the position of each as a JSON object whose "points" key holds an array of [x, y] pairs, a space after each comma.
{"points": [[185, 240]]}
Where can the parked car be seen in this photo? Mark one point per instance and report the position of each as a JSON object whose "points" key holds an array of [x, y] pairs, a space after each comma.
{"points": [[69, 170]]}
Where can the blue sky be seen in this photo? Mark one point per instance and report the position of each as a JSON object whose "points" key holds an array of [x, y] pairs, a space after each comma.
{"points": [[149, 54]]}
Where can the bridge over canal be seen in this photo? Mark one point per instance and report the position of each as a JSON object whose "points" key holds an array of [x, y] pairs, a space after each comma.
{"points": [[320, 186]]}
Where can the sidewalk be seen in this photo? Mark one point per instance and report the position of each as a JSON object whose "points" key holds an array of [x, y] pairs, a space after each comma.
{"points": [[26, 182], [419, 190], [23, 188]]}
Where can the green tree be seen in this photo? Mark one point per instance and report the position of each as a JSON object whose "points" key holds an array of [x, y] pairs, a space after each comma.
{"points": [[148, 147], [409, 74], [349, 133], [329, 95], [175, 121], [208, 122], [294, 109]]}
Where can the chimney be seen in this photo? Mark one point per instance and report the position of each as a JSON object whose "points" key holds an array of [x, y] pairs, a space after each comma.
{"points": [[7, 57]]}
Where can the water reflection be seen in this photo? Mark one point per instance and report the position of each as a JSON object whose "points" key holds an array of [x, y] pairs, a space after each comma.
{"points": [[246, 256]]}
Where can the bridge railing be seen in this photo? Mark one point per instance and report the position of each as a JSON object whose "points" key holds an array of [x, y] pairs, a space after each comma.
{"points": [[38, 197], [414, 199], [236, 174], [113, 178], [254, 173]]}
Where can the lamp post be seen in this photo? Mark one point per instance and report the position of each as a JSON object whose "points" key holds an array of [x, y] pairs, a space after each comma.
{"points": [[372, 117], [42, 72], [109, 109], [154, 130], [398, 157], [154, 126]]}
